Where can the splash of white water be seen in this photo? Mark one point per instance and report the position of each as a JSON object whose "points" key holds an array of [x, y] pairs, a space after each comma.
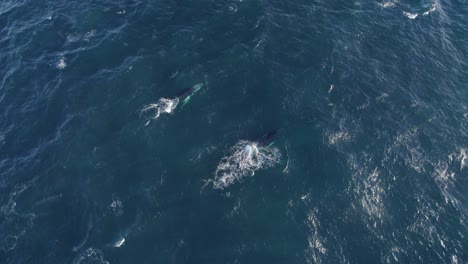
{"points": [[242, 160], [164, 105], [119, 242]]}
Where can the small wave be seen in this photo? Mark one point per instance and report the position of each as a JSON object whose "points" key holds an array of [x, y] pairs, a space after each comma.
{"points": [[85, 238], [443, 175], [244, 159], [445, 172], [48, 200], [87, 37], [91, 255], [316, 248], [463, 158], [14, 225], [286, 168], [340, 136], [233, 8], [116, 206], [174, 74], [7, 6], [164, 105], [373, 192]]}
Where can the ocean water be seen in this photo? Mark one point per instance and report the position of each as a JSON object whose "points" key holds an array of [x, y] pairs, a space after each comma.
{"points": [[105, 159]]}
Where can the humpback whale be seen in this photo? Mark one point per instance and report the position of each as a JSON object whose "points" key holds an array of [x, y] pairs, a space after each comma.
{"points": [[267, 139], [165, 105], [187, 93]]}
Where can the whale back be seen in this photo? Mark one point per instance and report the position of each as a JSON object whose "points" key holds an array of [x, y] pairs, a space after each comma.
{"points": [[267, 139], [182, 95]]}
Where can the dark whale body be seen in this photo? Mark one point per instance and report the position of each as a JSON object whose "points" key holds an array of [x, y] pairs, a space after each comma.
{"points": [[267, 139], [182, 95]]}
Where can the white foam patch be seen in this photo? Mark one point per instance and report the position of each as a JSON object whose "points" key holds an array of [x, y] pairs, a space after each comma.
{"points": [[116, 206], [243, 160], [388, 4], [61, 64], [410, 15], [153, 111]]}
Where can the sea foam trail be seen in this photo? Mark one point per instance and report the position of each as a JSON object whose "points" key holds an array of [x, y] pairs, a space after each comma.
{"points": [[243, 160], [153, 111]]}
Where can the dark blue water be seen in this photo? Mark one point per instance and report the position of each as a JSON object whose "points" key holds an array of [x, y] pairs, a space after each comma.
{"points": [[105, 159]]}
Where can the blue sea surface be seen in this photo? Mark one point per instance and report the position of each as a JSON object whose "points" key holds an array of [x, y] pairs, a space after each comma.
{"points": [[136, 131]]}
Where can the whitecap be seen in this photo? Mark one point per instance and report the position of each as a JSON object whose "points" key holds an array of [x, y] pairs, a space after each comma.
{"points": [[410, 15], [61, 64], [119, 242], [387, 4], [432, 9]]}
